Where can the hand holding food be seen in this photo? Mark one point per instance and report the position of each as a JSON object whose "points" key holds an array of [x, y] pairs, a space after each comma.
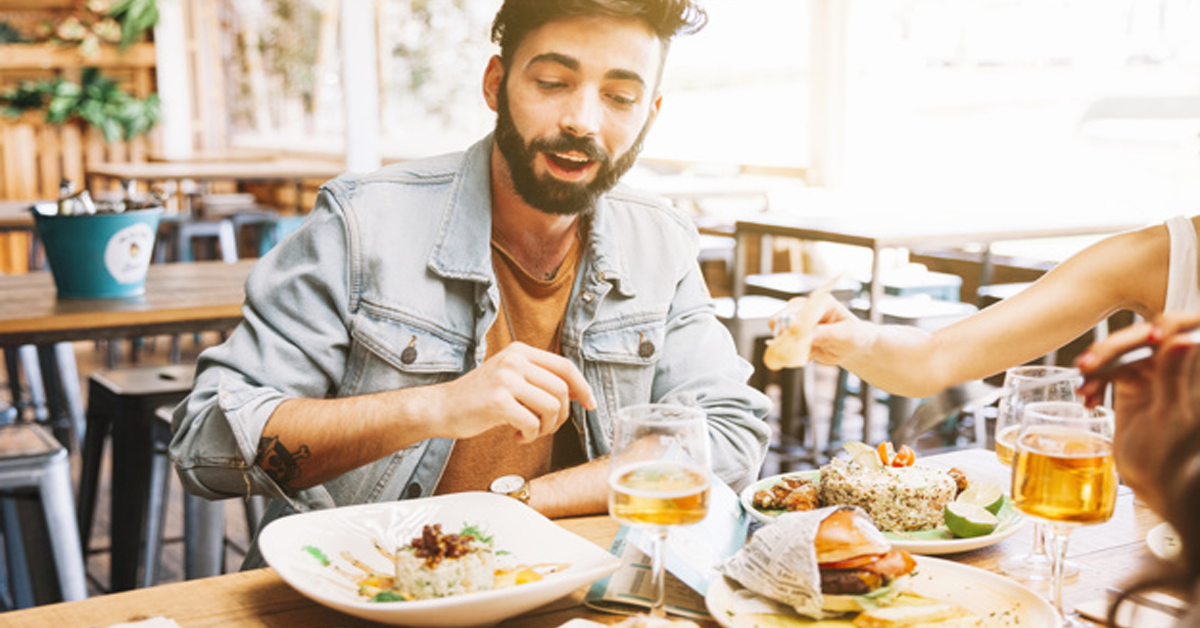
{"points": [[791, 346]]}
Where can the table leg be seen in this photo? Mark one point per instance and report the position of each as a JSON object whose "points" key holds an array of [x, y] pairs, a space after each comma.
{"points": [[866, 391]]}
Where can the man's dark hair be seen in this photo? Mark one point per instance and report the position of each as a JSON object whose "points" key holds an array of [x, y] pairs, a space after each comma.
{"points": [[667, 18]]}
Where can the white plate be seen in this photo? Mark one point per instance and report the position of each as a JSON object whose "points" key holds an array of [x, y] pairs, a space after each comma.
{"points": [[981, 592], [527, 536], [1164, 541], [929, 542]]}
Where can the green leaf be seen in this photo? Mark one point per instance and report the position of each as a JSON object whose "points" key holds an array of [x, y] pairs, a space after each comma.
{"points": [[135, 17]]}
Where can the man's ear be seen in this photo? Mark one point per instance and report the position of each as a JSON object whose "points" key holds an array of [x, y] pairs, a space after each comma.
{"points": [[493, 81]]}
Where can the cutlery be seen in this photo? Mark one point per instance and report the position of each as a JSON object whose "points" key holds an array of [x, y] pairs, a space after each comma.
{"points": [[1161, 603]]}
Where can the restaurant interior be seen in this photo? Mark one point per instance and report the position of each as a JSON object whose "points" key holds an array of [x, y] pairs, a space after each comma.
{"points": [[920, 159]]}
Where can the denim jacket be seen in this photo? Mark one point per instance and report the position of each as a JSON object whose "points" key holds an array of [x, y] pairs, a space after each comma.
{"points": [[401, 258]]}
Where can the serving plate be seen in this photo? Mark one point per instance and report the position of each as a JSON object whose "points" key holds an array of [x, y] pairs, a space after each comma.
{"points": [[983, 593], [522, 536], [932, 541]]}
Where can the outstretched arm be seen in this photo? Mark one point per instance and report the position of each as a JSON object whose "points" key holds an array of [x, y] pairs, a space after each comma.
{"points": [[1125, 271]]}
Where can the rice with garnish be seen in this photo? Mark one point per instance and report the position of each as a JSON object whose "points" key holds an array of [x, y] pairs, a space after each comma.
{"points": [[473, 571], [897, 498]]}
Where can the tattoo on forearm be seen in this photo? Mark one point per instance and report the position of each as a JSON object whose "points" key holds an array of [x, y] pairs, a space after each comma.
{"points": [[279, 463]]}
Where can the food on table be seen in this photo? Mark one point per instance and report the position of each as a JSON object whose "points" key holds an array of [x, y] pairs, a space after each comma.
{"points": [[935, 615], [823, 563], [899, 495], [859, 569], [897, 498], [436, 565], [987, 495], [967, 520], [789, 493]]}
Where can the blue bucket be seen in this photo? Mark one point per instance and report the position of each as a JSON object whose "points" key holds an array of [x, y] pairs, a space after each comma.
{"points": [[99, 256]]}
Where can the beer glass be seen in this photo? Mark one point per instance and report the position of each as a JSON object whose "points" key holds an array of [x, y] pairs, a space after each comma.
{"points": [[659, 476], [1022, 385], [1064, 475]]}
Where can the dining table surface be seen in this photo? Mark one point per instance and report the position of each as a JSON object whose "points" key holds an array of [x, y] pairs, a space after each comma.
{"points": [[178, 298], [1108, 555]]}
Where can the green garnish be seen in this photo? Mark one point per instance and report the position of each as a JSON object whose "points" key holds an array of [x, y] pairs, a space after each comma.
{"points": [[388, 596], [317, 554], [475, 532]]}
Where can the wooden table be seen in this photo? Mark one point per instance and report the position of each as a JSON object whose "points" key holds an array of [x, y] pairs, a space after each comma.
{"points": [[1107, 554], [179, 298], [880, 232], [295, 171]]}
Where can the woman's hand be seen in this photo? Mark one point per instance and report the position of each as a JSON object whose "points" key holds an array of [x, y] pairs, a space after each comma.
{"points": [[1155, 400], [823, 329]]}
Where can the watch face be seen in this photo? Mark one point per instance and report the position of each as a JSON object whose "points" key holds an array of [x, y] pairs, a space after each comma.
{"points": [[507, 484]]}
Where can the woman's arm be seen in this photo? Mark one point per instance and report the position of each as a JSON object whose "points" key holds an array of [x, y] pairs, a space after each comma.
{"points": [[1125, 271]]}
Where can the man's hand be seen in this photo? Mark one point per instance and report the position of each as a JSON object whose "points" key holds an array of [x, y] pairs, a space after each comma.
{"points": [[527, 388]]}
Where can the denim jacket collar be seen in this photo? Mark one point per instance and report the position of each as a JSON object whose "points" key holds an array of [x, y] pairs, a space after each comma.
{"points": [[463, 250]]}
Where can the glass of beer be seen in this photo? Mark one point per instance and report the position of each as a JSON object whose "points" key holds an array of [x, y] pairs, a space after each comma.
{"points": [[1023, 385], [1064, 475], [659, 477]]}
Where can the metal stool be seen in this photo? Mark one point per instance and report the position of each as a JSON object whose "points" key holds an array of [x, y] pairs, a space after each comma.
{"points": [[750, 326], [204, 525], [31, 460], [123, 402], [917, 311]]}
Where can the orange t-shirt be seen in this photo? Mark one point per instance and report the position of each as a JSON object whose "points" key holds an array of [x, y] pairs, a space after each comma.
{"points": [[532, 310]]}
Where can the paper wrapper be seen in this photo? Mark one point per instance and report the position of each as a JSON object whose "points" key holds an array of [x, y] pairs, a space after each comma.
{"points": [[780, 564]]}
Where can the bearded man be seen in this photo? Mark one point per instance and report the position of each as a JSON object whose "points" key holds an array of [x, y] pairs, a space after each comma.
{"points": [[439, 324]]}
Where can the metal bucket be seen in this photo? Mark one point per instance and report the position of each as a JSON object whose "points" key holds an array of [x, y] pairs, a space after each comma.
{"points": [[99, 256]]}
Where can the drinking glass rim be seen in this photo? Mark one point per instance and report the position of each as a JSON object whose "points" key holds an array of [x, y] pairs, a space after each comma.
{"points": [[1091, 415]]}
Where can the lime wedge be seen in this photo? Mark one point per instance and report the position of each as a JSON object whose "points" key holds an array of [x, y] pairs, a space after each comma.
{"points": [[967, 520], [986, 495], [864, 454]]}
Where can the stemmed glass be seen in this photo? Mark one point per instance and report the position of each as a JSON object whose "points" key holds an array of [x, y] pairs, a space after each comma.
{"points": [[659, 476], [1064, 475], [1023, 385]]}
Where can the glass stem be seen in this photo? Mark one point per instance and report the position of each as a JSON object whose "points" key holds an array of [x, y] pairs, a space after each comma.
{"points": [[1058, 536], [658, 583], [1039, 539]]}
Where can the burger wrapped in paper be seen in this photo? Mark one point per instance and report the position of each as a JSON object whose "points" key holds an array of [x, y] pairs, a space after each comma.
{"points": [[822, 563]]}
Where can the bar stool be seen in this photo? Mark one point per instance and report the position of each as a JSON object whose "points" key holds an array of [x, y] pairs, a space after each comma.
{"points": [[31, 460], [204, 525], [123, 402], [915, 311], [750, 326]]}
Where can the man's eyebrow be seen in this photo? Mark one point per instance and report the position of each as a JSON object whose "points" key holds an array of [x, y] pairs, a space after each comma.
{"points": [[571, 63]]}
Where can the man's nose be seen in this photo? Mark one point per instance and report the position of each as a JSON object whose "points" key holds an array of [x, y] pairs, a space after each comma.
{"points": [[582, 115]]}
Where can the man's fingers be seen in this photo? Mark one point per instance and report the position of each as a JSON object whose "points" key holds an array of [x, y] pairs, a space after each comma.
{"points": [[1115, 344], [577, 387]]}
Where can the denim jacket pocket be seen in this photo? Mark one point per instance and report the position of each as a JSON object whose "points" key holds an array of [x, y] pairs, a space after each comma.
{"points": [[620, 360], [391, 353]]}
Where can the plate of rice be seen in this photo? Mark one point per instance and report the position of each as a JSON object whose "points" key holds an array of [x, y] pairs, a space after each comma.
{"points": [[906, 504], [455, 561]]}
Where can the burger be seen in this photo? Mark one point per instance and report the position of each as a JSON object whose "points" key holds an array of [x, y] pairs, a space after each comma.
{"points": [[859, 569]]}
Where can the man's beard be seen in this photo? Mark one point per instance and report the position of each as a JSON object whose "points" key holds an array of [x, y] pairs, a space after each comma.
{"points": [[548, 194]]}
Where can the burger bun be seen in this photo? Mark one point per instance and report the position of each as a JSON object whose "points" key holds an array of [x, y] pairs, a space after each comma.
{"points": [[848, 533]]}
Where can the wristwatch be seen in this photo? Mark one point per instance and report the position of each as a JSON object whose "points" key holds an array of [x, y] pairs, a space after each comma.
{"points": [[513, 486]]}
